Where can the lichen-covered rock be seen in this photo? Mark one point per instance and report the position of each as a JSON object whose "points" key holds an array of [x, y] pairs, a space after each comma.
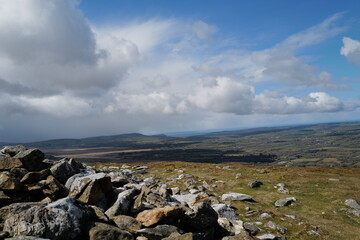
{"points": [[178, 236], [7, 163], [66, 218], [31, 159], [127, 223], [225, 211], [201, 216], [90, 189], [62, 171], [32, 177], [232, 226], [13, 150], [9, 182], [102, 231], [54, 189], [122, 204]]}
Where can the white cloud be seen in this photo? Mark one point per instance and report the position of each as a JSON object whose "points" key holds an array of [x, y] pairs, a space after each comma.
{"points": [[203, 30], [230, 96], [351, 50]]}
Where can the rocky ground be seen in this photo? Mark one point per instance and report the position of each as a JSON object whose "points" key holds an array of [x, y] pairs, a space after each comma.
{"points": [[43, 199]]}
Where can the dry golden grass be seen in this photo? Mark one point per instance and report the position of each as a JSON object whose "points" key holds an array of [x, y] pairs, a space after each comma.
{"points": [[320, 194]]}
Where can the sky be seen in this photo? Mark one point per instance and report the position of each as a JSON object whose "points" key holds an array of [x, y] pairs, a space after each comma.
{"points": [[73, 69]]}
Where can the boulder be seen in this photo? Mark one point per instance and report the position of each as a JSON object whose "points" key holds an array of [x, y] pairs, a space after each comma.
{"points": [[66, 218], [122, 204], [159, 232], [54, 189], [9, 182], [13, 150], [127, 223], [32, 177], [153, 216], [237, 197], [90, 189], [284, 201], [102, 231], [62, 171], [19, 172], [7, 163], [31, 159], [201, 216]]}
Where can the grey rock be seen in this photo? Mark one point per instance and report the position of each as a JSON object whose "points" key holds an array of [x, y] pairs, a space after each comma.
{"points": [[18, 172], [267, 236], [264, 216], [7, 163], [237, 197], [31, 159], [201, 216], [225, 211], [177, 236], [281, 188], [91, 189], [102, 231], [122, 204], [64, 219], [352, 203], [13, 150], [232, 226], [251, 228], [54, 189], [284, 201], [62, 171], [32, 177]]}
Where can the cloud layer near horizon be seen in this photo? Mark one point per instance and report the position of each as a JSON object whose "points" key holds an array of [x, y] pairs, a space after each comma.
{"points": [[56, 64]]}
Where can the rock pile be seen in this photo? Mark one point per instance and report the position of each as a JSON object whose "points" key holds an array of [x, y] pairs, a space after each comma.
{"points": [[43, 199]]}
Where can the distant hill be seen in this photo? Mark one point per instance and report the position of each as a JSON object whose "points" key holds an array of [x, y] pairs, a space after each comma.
{"points": [[328, 144]]}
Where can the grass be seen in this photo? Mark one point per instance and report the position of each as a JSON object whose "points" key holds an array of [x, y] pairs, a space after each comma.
{"points": [[320, 194]]}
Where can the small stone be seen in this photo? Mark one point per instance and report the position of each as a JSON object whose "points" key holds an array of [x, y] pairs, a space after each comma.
{"points": [[264, 216], [352, 203], [237, 197], [284, 201], [255, 184], [266, 236]]}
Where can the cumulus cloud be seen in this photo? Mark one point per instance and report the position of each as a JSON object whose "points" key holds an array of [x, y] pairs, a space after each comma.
{"points": [[351, 50], [230, 96]]}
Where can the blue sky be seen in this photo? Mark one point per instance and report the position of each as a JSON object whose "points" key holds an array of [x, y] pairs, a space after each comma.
{"points": [[72, 69]]}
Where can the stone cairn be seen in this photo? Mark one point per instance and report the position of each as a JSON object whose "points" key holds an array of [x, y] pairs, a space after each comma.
{"points": [[65, 199]]}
